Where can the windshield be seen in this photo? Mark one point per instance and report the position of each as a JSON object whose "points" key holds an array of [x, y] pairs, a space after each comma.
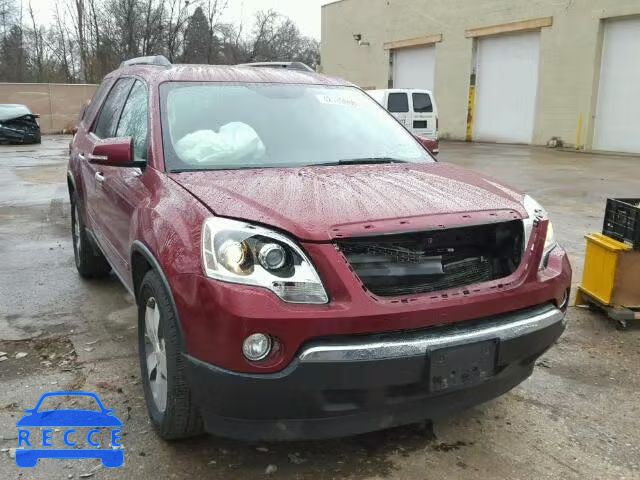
{"points": [[212, 126]]}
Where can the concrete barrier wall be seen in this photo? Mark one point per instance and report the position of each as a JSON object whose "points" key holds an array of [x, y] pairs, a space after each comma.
{"points": [[58, 104]]}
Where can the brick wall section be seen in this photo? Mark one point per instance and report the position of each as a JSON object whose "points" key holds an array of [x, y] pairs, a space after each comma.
{"points": [[570, 51], [57, 104]]}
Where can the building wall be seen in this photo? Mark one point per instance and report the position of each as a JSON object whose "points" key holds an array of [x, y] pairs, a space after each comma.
{"points": [[57, 104], [570, 52]]}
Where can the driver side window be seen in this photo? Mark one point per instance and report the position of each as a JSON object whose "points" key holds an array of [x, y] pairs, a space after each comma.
{"points": [[134, 120], [108, 118]]}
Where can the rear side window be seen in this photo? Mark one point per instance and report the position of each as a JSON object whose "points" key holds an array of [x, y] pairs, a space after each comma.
{"points": [[133, 120], [398, 103], [110, 113], [422, 103]]}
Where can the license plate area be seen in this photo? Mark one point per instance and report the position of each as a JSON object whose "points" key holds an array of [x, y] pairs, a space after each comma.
{"points": [[461, 366]]}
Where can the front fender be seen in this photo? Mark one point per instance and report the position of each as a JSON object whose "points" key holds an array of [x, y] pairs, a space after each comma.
{"points": [[166, 233]]}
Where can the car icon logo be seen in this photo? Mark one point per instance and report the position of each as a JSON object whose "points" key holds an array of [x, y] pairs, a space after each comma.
{"points": [[32, 448]]}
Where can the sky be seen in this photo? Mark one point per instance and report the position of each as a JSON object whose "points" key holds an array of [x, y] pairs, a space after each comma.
{"points": [[305, 13]]}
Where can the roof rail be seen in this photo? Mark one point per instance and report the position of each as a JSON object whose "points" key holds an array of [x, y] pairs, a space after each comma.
{"points": [[157, 60], [289, 65]]}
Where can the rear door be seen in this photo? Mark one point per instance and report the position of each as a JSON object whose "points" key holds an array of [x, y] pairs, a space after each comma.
{"points": [[424, 121], [398, 106]]}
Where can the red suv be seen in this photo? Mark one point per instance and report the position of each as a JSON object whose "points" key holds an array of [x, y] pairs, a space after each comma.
{"points": [[302, 266]]}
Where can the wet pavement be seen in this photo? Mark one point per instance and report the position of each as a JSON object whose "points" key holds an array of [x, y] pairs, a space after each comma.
{"points": [[577, 417]]}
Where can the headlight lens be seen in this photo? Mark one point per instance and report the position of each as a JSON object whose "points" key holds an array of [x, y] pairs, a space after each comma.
{"points": [[536, 213], [240, 252]]}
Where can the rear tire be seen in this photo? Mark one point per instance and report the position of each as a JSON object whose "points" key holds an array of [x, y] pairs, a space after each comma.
{"points": [[90, 261], [167, 394]]}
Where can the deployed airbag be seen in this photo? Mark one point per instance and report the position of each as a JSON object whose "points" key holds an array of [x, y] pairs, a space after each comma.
{"points": [[234, 141]]}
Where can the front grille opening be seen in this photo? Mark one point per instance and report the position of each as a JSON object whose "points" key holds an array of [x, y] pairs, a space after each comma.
{"points": [[432, 261]]}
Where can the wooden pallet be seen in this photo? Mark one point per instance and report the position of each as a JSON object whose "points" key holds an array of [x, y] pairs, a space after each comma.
{"points": [[623, 316]]}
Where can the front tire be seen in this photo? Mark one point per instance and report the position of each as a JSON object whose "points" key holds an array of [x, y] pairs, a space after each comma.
{"points": [[90, 261], [166, 391]]}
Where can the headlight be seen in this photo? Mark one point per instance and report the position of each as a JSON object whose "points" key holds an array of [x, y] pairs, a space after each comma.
{"points": [[239, 252], [536, 212]]}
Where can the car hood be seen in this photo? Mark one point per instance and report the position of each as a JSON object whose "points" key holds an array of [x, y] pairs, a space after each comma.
{"points": [[322, 203], [13, 118]]}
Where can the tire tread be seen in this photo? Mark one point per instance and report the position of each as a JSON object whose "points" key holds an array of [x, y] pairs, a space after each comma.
{"points": [[180, 418]]}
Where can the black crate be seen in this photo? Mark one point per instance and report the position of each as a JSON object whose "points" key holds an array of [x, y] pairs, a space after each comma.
{"points": [[622, 220]]}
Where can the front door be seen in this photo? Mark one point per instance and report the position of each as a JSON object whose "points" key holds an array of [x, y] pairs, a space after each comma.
{"points": [[101, 213], [123, 188]]}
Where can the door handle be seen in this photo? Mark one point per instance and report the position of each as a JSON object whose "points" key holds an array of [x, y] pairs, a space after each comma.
{"points": [[100, 178]]}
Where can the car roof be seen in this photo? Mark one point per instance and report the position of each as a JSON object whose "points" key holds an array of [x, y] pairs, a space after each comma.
{"points": [[292, 65], [155, 75]]}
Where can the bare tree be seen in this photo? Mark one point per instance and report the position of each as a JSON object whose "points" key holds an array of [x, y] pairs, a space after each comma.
{"points": [[176, 22], [38, 46], [265, 31], [7, 16], [89, 38], [63, 52], [215, 9]]}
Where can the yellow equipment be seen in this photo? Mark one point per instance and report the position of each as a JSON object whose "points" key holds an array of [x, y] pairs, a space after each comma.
{"points": [[611, 279]]}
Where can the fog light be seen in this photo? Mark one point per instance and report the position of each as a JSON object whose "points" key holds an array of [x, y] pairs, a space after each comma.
{"points": [[256, 347]]}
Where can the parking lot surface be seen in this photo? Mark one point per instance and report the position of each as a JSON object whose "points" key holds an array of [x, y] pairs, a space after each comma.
{"points": [[577, 417]]}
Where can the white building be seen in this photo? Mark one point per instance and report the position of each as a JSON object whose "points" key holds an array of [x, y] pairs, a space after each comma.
{"points": [[514, 71]]}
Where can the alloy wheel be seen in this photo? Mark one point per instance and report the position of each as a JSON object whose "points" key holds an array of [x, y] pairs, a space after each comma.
{"points": [[156, 355]]}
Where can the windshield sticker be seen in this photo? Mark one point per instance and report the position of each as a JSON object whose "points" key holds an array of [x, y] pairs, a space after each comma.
{"points": [[340, 100]]}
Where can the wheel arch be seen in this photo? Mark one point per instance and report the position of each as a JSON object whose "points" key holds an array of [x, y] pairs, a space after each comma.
{"points": [[142, 261]]}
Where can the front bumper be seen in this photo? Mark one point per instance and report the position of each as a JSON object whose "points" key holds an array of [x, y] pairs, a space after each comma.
{"points": [[14, 135], [350, 385]]}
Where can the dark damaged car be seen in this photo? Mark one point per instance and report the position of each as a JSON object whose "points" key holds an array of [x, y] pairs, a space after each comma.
{"points": [[18, 124]]}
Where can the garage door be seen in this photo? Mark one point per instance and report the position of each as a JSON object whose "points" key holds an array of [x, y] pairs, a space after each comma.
{"points": [[506, 88], [617, 125], [414, 67]]}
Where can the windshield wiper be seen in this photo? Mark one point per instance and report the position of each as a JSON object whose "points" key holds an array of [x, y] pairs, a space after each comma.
{"points": [[360, 161]]}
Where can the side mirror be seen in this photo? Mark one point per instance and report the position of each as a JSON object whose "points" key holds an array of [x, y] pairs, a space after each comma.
{"points": [[431, 145], [115, 152]]}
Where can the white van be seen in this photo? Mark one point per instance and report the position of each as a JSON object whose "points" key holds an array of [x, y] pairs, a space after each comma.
{"points": [[415, 109]]}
